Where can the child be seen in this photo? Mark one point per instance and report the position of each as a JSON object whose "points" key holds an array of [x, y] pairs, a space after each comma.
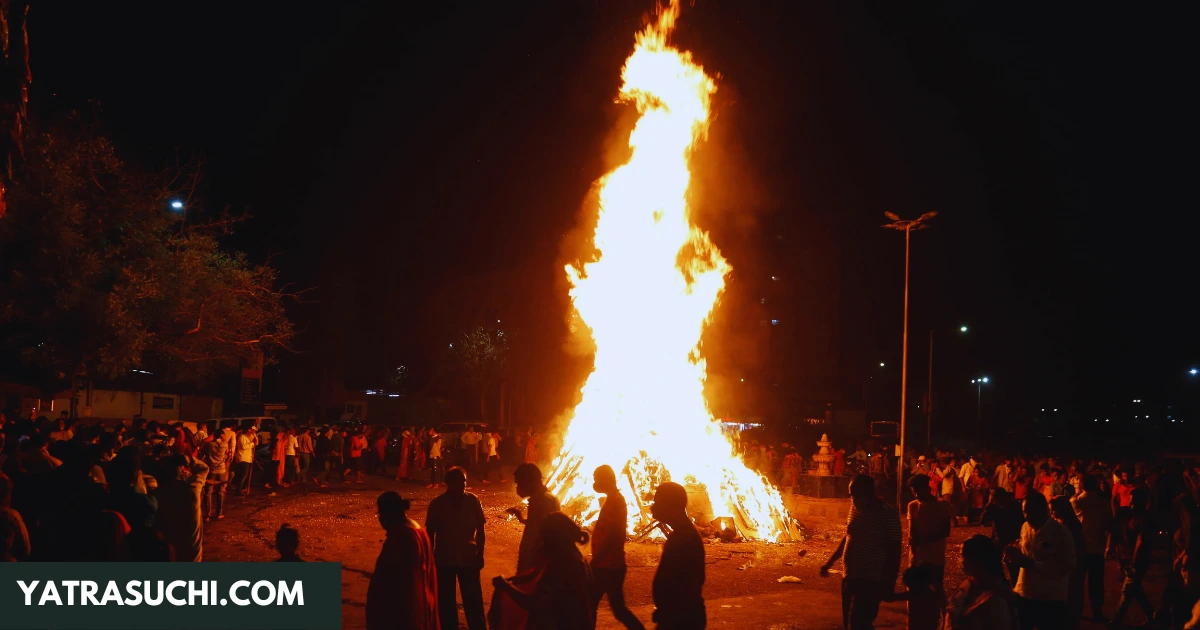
{"points": [[925, 599], [287, 543]]}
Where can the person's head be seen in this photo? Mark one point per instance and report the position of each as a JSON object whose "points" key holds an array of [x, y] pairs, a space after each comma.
{"points": [[392, 510], [1124, 476], [981, 558], [287, 541], [670, 503], [1091, 483], [123, 469], [1037, 511], [456, 480], [862, 490], [920, 486], [1140, 499], [528, 478], [1062, 510], [175, 466], [918, 578], [1008, 461], [560, 535], [605, 480]]}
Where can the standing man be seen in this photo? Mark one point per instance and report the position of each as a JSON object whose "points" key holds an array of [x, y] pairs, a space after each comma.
{"points": [[1003, 477], [492, 453], [608, 549], [1046, 557], [305, 451], [470, 444], [217, 454], [178, 495], [678, 587], [928, 528], [435, 458], [872, 555], [1095, 514], [541, 503], [243, 459], [454, 522], [337, 444]]}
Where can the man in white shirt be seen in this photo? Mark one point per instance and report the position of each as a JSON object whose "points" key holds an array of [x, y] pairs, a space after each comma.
{"points": [[435, 459], [968, 469], [1046, 556], [1003, 477], [470, 444], [243, 459], [491, 455]]}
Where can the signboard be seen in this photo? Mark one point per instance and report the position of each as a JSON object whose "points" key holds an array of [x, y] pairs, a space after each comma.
{"points": [[162, 402], [251, 386], [885, 430]]}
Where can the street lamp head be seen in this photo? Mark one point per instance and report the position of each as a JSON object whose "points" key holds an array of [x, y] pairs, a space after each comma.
{"points": [[962, 329], [1193, 371], [985, 379], [881, 364], [177, 205], [972, 381]]}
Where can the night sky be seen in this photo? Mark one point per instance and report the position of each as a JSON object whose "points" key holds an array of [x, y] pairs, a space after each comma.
{"points": [[423, 167]]}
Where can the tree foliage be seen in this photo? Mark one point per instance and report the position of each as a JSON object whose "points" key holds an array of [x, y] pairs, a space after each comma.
{"points": [[480, 356], [98, 275]]}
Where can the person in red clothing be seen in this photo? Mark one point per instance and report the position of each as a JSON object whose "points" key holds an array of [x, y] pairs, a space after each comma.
{"points": [[358, 444], [608, 549], [402, 594]]}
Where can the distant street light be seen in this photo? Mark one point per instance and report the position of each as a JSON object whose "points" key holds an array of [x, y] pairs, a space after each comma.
{"points": [[177, 205], [979, 399], [881, 364], [897, 223], [929, 393], [1193, 371]]}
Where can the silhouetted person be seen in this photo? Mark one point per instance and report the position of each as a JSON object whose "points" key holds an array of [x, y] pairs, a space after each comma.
{"points": [[528, 478], [178, 496], [984, 601], [454, 522], [402, 594], [18, 548], [287, 543], [925, 597], [679, 581], [1061, 510], [872, 555], [608, 548], [561, 600], [1004, 514], [1094, 511], [1135, 550]]}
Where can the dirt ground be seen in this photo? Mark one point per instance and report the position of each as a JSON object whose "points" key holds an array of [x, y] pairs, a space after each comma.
{"points": [[338, 524]]}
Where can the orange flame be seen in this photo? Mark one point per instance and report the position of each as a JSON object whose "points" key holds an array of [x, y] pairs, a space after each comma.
{"points": [[646, 301]]}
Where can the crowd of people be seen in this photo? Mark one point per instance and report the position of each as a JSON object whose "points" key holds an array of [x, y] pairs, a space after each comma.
{"points": [[1053, 525], [554, 588]]}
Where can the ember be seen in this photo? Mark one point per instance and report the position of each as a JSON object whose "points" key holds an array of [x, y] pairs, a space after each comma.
{"points": [[646, 300]]}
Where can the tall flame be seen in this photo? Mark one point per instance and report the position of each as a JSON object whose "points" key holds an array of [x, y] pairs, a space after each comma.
{"points": [[647, 300]]}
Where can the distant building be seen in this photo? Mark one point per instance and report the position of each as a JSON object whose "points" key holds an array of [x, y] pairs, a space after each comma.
{"points": [[104, 404]]}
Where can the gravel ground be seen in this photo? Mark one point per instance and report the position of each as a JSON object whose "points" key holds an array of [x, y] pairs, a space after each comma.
{"points": [[338, 524]]}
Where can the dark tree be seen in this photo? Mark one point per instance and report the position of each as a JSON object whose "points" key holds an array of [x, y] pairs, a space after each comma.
{"points": [[100, 278], [14, 88]]}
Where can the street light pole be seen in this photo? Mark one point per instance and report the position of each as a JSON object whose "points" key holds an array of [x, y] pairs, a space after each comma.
{"points": [[908, 226], [929, 398], [978, 382]]}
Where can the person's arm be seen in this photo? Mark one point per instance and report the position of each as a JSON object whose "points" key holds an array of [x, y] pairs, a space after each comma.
{"points": [[522, 599], [199, 473], [837, 555]]}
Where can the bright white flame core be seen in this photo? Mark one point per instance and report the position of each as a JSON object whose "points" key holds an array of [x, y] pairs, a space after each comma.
{"points": [[646, 301]]}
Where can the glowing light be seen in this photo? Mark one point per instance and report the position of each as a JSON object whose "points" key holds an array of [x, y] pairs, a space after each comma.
{"points": [[177, 205], [881, 364], [646, 300], [1193, 371], [962, 329]]}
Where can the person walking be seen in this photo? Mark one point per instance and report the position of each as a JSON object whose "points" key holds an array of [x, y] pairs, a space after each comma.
{"points": [[531, 449], [337, 445], [678, 587], [402, 594], [1061, 511], [454, 522], [491, 450], [1003, 476], [1045, 555], [871, 548], [356, 446], [1135, 550], [305, 449], [560, 600], [290, 467], [928, 529], [1094, 512], [542, 503], [608, 549]]}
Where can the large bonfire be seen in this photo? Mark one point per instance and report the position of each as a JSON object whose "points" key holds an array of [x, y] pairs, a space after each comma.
{"points": [[646, 300]]}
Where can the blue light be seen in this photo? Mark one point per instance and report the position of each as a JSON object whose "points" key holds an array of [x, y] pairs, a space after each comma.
{"points": [[177, 205], [1193, 371]]}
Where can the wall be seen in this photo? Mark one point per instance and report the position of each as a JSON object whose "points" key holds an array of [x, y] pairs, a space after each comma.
{"points": [[152, 405]]}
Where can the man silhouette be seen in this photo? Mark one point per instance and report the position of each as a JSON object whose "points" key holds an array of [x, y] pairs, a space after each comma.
{"points": [[608, 549], [679, 581], [454, 522], [872, 549]]}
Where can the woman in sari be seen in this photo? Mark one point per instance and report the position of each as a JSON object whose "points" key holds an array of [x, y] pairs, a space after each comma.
{"points": [[405, 449], [402, 594]]}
